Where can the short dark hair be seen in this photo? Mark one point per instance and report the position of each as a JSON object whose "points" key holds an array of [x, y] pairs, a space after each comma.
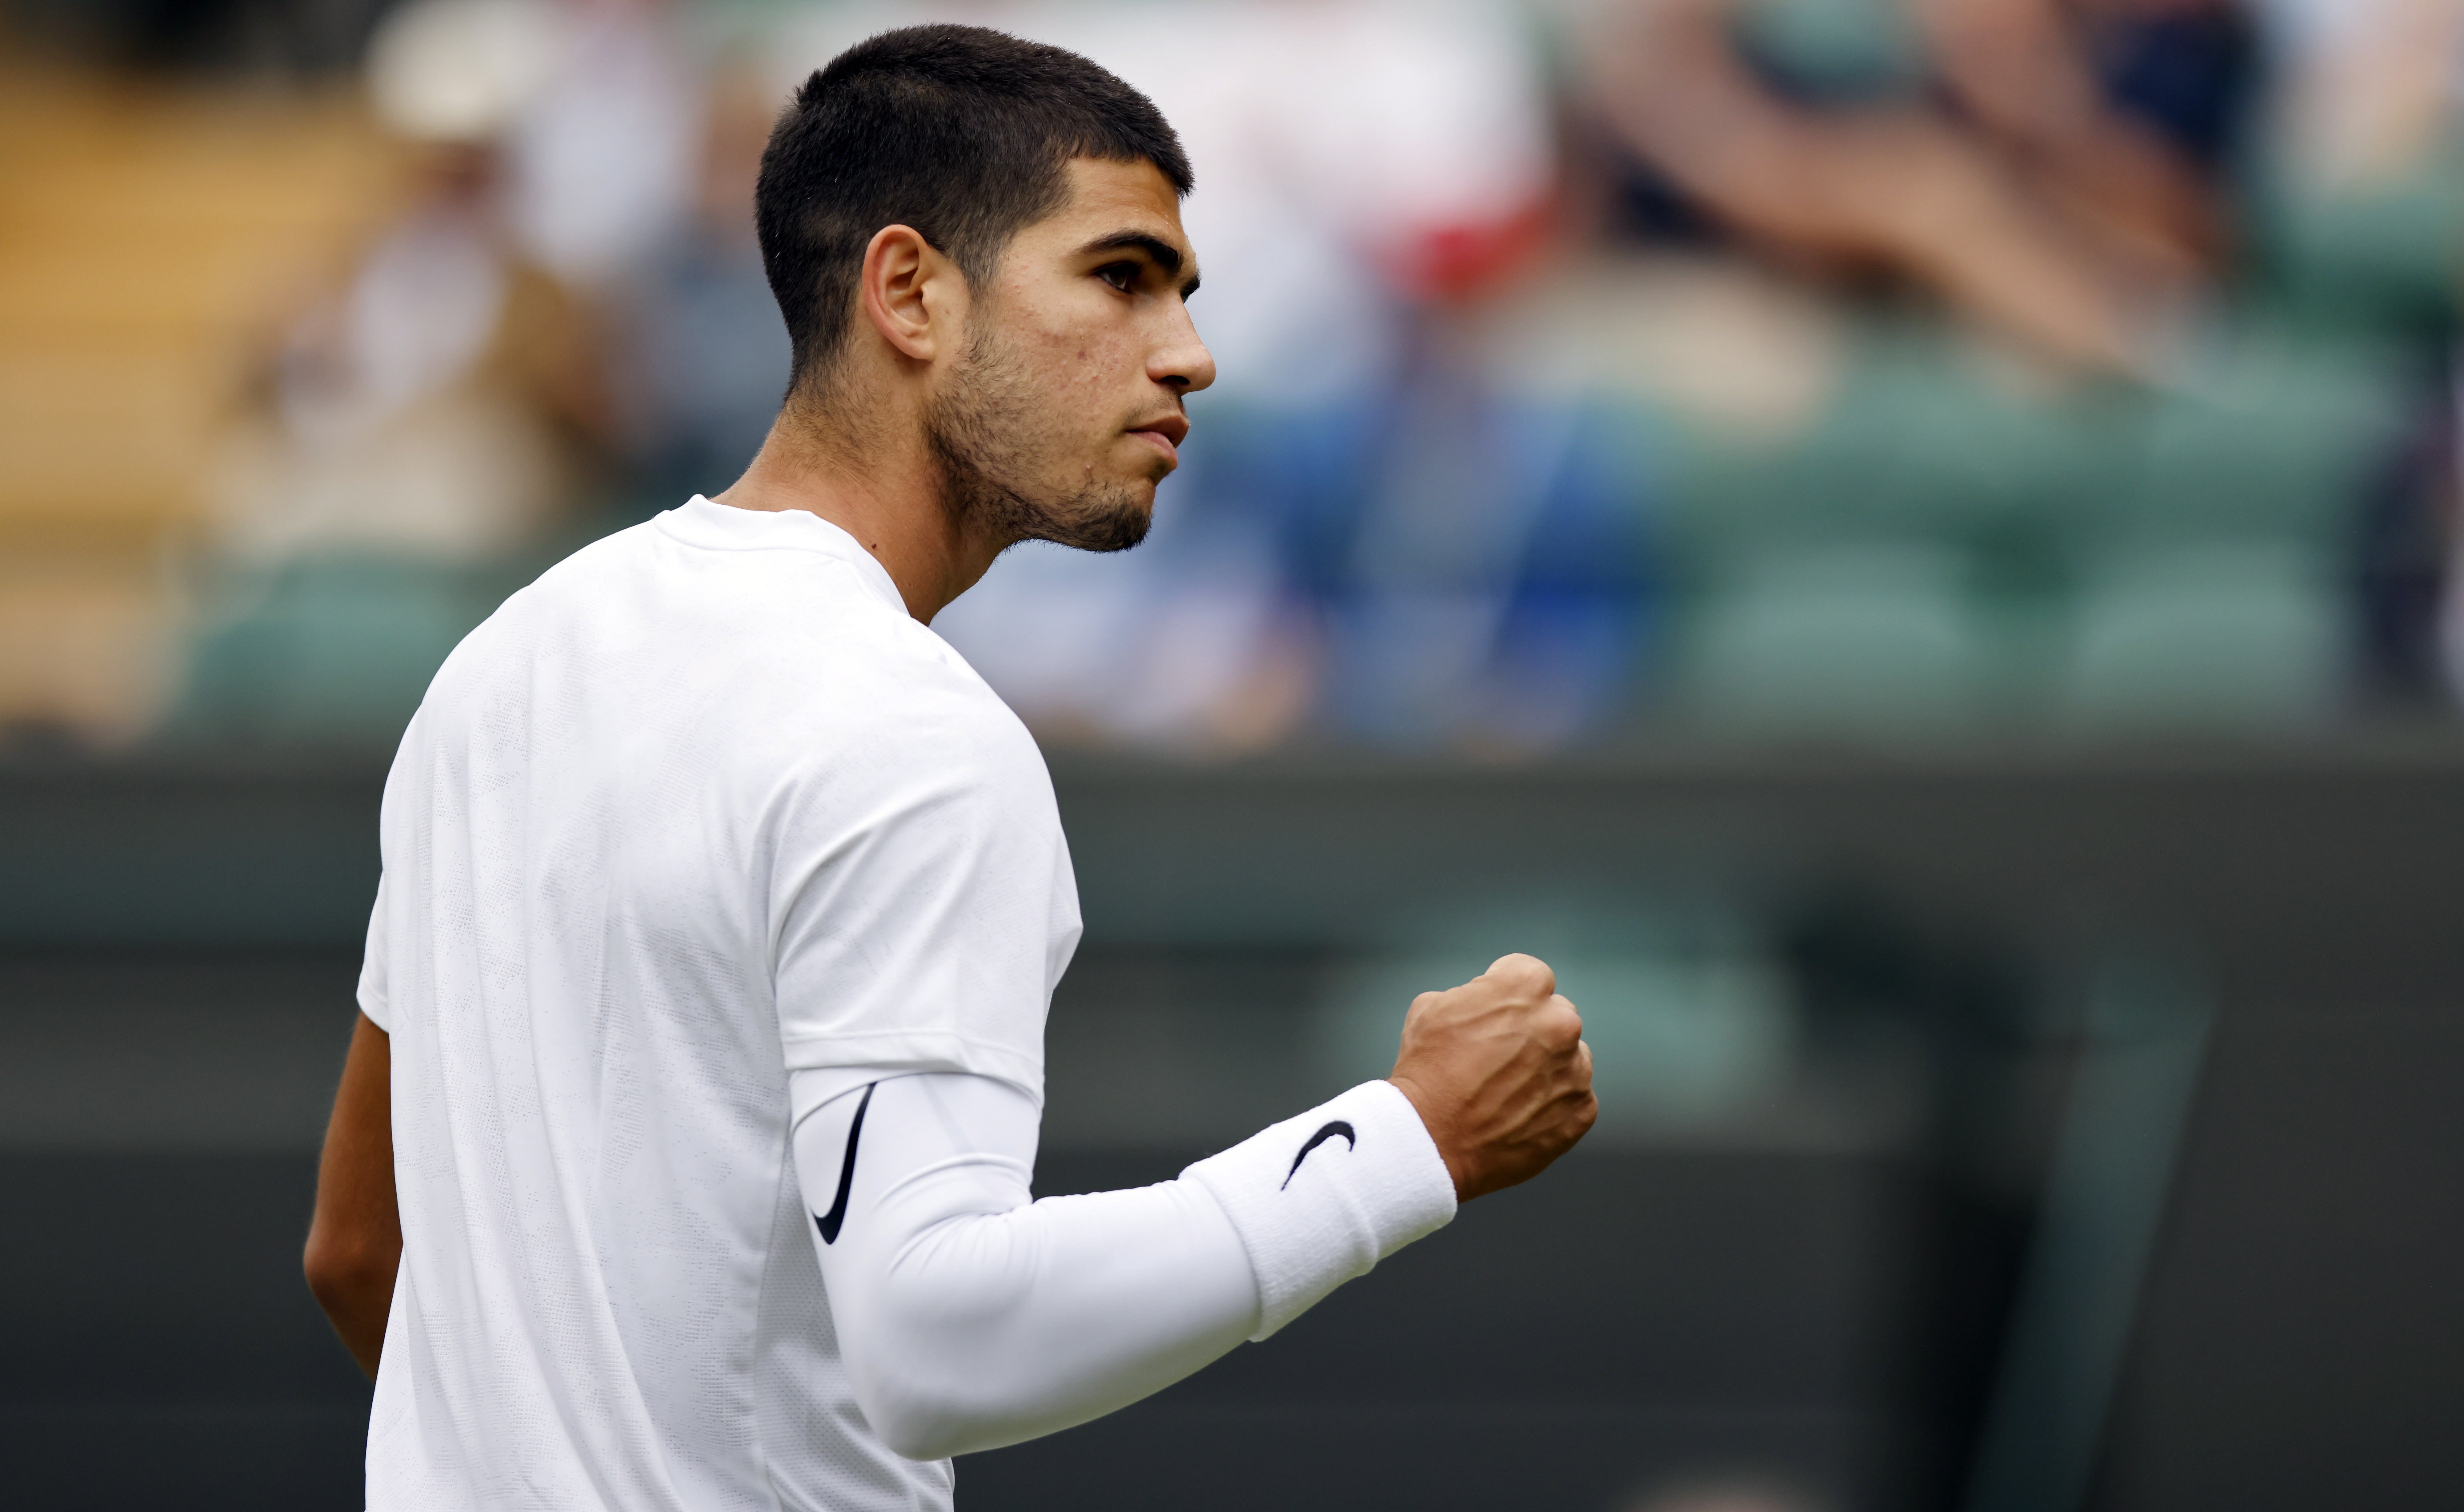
{"points": [[963, 133]]}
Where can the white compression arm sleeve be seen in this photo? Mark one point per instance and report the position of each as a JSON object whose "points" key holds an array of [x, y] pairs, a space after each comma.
{"points": [[970, 1316]]}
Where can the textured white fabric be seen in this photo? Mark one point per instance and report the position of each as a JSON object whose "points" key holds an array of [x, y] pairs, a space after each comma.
{"points": [[1320, 1198], [971, 1317], [701, 808]]}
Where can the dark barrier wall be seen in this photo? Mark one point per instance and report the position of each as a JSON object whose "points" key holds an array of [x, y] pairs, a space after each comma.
{"points": [[176, 954]]}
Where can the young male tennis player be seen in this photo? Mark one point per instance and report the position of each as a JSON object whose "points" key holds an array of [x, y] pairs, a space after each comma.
{"points": [[681, 1159]]}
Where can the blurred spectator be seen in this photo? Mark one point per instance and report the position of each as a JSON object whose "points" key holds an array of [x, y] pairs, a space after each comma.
{"points": [[421, 426], [432, 406], [2370, 210], [600, 153], [2371, 87], [1490, 597], [417, 411], [2041, 166], [702, 354]]}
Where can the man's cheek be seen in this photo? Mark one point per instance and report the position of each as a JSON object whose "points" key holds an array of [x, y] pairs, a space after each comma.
{"points": [[1102, 359]]}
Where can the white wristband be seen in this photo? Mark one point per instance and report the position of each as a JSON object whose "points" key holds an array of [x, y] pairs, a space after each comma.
{"points": [[1320, 1198]]}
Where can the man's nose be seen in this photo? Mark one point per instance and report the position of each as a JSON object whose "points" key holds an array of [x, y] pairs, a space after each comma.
{"points": [[1182, 360]]}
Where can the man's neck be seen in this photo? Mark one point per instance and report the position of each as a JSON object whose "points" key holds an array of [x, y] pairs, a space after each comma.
{"points": [[885, 494]]}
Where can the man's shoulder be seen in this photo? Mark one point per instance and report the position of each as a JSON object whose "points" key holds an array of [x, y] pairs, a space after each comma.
{"points": [[778, 653], [916, 707], [804, 618], [815, 648]]}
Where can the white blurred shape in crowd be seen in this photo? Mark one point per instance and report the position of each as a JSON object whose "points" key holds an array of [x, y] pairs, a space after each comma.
{"points": [[594, 103], [2373, 84], [1344, 150], [600, 161], [460, 69]]}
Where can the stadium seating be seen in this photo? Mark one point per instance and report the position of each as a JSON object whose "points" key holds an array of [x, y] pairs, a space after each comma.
{"points": [[148, 236], [328, 652]]}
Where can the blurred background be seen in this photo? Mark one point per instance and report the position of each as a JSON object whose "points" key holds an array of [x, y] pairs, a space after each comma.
{"points": [[1904, 544]]}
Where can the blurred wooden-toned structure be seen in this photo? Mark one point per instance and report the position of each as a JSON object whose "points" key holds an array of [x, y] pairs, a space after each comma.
{"points": [[152, 238]]}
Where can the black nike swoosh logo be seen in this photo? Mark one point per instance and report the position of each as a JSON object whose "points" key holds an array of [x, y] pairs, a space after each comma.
{"points": [[1338, 1126], [829, 1221]]}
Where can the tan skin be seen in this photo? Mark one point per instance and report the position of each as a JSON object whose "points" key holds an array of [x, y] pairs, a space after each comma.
{"points": [[1091, 301], [1499, 1071], [355, 1241], [2053, 220]]}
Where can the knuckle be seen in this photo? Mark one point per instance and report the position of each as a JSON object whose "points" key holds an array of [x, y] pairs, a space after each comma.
{"points": [[1522, 973]]}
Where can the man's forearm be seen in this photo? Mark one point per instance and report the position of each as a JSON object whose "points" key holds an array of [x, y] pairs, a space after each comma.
{"points": [[971, 1318], [355, 1240], [356, 1291]]}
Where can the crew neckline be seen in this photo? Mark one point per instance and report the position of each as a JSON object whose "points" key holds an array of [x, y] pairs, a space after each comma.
{"points": [[702, 521]]}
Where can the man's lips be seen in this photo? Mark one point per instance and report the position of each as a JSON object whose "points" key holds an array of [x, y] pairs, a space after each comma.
{"points": [[1167, 433]]}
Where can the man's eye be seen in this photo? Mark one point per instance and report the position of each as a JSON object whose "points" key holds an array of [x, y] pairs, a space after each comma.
{"points": [[1121, 275]]}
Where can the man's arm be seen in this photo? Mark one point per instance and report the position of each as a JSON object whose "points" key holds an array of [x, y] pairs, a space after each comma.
{"points": [[970, 1316], [355, 1241]]}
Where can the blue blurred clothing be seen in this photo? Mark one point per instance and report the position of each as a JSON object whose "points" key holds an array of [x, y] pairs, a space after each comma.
{"points": [[705, 361]]}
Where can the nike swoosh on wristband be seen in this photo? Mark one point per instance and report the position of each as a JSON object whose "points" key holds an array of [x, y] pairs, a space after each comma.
{"points": [[1338, 1126], [830, 1222]]}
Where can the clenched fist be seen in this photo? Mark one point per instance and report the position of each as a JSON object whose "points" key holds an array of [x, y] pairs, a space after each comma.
{"points": [[1500, 1073]]}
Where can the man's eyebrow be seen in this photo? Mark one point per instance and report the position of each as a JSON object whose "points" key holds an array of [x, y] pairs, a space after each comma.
{"points": [[1166, 255]]}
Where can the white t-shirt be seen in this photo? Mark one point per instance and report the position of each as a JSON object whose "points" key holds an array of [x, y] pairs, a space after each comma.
{"points": [[701, 807]]}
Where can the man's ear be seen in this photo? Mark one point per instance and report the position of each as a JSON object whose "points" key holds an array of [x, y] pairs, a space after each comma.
{"points": [[912, 294]]}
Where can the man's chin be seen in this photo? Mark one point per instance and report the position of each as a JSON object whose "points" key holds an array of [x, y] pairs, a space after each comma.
{"points": [[1101, 519]]}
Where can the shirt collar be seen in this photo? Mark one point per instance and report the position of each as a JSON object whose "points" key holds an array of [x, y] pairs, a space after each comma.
{"points": [[723, 527]]}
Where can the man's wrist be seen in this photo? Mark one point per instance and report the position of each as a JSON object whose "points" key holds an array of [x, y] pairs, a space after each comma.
{"points": [[1439, 1131], [1320, 1198]]}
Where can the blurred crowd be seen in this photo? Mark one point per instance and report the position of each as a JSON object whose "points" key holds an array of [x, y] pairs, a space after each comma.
{"points": [[1829, 370]]}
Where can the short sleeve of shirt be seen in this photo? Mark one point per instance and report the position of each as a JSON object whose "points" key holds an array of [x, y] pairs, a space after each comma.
{"points": [[923, 900], [372, 966]]}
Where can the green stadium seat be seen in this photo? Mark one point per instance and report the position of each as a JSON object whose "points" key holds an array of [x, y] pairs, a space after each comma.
{"points": [[2229, 638], [2275, 441], [1692, 1022], [1866, 643], [2382, 258], [329, 651], [1890, 573]]}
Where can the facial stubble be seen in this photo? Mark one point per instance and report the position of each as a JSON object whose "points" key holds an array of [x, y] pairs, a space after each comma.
{"points": [[988, 433]]}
